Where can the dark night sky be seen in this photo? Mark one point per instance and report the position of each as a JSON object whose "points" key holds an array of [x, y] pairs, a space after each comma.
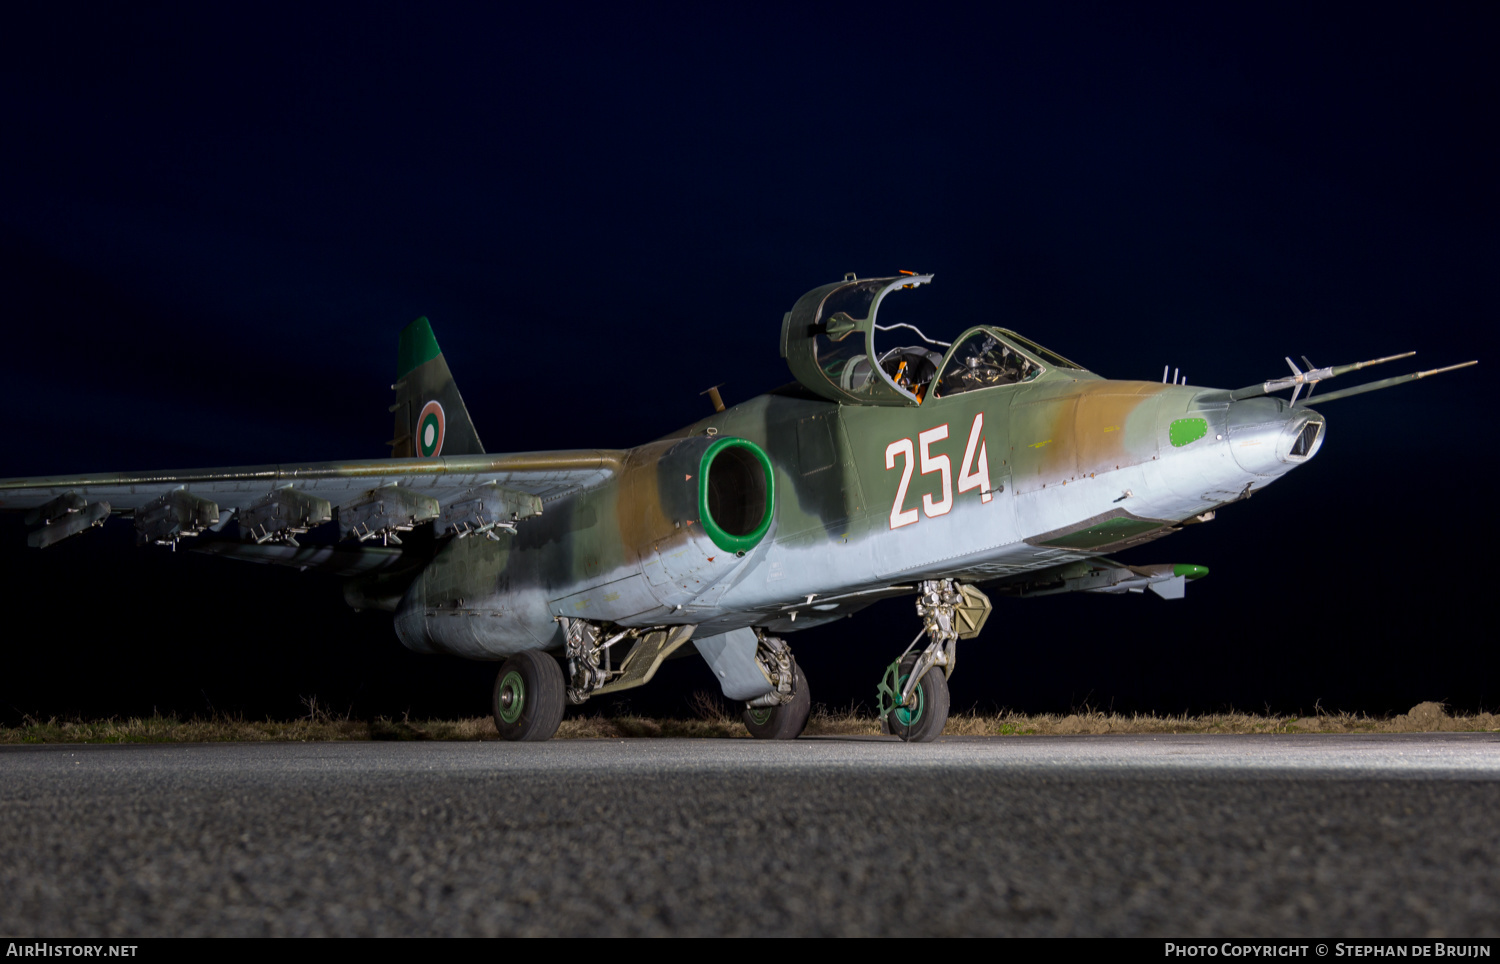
{"points": [[213, 228]]}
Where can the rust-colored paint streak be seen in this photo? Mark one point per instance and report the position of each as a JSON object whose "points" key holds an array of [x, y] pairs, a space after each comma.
{"points": [[1102, 414], [1079, 433], [1048, 422], [641, 519]]}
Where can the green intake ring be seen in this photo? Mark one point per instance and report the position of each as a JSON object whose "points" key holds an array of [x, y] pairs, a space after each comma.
{"points": [[725, 540]]}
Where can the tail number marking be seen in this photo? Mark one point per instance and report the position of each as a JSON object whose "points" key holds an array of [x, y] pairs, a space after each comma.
{"points": [[900, 447], [973, 474], [936, 463], [980, 478]]}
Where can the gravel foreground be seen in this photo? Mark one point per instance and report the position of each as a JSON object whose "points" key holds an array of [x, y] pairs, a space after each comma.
{"points": [[1357, 836]]}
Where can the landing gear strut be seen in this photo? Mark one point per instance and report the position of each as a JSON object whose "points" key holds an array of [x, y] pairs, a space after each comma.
{"points": [[913, 701], [782, 713]]}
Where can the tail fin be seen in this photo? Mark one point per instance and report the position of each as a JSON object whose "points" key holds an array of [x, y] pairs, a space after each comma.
{"points": [[430, 416]]}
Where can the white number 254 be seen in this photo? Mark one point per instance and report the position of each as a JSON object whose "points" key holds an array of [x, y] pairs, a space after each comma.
{"points": [[969, 476]]}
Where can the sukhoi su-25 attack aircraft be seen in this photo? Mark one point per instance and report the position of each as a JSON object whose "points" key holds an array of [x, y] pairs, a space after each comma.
{"points": [[925, 470]]}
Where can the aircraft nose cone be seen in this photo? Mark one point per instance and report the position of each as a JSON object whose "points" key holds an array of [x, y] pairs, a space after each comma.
{"points": [[1268, 437]]}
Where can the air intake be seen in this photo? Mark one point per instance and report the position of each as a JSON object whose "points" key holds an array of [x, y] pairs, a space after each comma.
{"points": [[736, 494], [1307, 440]]}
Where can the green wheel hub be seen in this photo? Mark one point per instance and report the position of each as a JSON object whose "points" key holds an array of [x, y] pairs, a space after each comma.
{"points": [[512, 700], [761, 715], [905, 714]]}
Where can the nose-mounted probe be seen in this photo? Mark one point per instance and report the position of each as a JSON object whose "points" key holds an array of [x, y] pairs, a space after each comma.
{"points": [[1310, 378]]}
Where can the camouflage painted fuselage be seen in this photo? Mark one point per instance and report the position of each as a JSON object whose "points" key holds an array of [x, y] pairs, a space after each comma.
{"points": [[1077, 466]]}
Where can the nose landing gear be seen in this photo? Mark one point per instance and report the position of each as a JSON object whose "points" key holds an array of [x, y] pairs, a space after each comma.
{"points": [[921, 718], [912, 700]]}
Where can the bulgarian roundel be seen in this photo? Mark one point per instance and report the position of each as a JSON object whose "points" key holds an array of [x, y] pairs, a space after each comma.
{"points": [[430, 425]]}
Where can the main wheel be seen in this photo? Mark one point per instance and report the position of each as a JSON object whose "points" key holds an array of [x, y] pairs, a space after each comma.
{"points": [[784, 722], [529, 694], [924, 722]]}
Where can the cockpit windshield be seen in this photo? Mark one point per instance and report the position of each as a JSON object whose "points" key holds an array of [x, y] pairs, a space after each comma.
{"points": [[1047, 357], [984, 361]]}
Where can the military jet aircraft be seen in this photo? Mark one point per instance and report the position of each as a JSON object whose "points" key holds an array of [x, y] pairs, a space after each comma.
{"points": [[928, 469]]}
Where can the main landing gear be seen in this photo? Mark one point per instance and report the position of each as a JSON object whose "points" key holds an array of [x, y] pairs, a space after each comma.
{"points": [[913, 700], [782, 713], [529, 695]]}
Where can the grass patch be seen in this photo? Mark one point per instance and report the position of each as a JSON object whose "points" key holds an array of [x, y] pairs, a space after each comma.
{"points": [[712, 720]]}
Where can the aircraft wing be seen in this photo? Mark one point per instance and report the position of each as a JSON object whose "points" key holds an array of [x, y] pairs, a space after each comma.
{"points": [[424, 486]]}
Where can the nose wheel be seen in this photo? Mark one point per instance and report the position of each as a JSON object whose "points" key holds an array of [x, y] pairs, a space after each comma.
{"points": [[922, 718], [912, 698]]}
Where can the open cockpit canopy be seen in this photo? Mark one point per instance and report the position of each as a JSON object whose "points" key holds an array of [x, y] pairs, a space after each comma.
{"points": [[829, 342]]}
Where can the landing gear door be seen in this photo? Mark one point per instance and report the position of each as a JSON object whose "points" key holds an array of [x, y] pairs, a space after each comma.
{"points": [[828, 341]]}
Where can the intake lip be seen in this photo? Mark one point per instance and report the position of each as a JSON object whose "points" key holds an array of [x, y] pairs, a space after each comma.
{"points": [[1301, 440], [736, 494]]}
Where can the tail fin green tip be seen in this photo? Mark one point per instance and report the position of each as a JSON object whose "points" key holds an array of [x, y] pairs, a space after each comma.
{"points": [[418, 347]]}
